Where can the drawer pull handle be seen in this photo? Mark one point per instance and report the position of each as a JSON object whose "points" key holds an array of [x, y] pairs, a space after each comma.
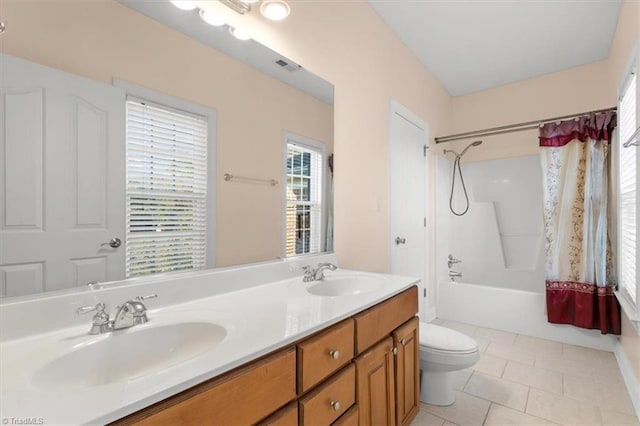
{"points": [[395, 351], [334, 354], [335, 405], [403, 342]]}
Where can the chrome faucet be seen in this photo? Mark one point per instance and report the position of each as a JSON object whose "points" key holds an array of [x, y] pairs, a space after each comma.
{"points": [[319, 274], [101, 323], [311, 274], [452, 260], [130, 313], [455, 274]]}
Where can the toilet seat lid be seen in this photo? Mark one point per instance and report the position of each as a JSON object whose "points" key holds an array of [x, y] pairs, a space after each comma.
{"points": [[445, 339]]}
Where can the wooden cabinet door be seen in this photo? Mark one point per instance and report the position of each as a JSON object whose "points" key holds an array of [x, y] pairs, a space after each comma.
{"points": [[405, 339], [241, 397], [376, 386]]}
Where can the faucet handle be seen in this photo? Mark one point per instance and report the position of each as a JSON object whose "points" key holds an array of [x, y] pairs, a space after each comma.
{"points": [[99, 308], [140, 310], [100, 322], [452, 261], [309, 273], [150, 296]]}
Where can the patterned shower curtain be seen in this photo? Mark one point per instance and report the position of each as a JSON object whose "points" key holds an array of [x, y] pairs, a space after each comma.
{"points": [[575, 167]]}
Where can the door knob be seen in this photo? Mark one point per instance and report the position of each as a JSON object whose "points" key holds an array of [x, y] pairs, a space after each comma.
{"points": [[114, 243], [400, 241]]}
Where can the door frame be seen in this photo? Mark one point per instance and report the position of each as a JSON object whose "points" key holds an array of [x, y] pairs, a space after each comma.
{"points": [[395, 108]]}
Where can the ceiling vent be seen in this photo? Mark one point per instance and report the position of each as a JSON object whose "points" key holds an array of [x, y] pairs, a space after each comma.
{"points": [[288, 65]]}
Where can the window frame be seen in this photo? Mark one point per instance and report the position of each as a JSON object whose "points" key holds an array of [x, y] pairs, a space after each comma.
{"points": [[160, 99], [320, 147], [631, 71]]}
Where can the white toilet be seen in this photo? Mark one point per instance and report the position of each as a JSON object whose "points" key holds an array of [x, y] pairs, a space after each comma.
{"points": [[442, 352]]}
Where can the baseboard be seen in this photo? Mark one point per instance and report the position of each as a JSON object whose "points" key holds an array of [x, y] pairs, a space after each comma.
{"points": [[629, 377]]}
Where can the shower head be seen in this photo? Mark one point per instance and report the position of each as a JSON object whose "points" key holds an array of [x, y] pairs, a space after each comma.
{"points": [[476, 143]]}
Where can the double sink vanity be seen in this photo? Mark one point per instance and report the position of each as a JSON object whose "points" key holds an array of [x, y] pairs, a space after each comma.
{"points": [[247, 345]]}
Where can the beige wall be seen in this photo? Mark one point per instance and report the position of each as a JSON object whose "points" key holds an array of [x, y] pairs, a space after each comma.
{"points": [[348, 44], [574, 90], [103, 40]]}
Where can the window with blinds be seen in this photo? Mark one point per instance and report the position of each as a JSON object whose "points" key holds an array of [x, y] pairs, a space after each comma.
{"points": [[627, 192], [303, 200], [166, 192]]}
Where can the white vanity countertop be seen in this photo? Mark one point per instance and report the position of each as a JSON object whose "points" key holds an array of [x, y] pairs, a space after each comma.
{"points": [[258, 320]]}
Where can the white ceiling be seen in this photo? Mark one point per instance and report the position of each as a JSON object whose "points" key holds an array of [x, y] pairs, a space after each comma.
{"points": [[471, 45]]}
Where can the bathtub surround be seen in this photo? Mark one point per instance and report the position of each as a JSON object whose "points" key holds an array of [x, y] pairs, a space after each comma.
{"points": [[575, 164], [499, 240], [500, 243]]}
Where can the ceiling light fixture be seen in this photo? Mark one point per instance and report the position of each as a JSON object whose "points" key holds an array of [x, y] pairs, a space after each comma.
{"points": [[240, 33], [212, 18], [239, 6], [275, 10], [184, 4]]}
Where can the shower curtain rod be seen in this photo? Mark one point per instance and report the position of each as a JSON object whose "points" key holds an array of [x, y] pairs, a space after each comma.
{"points": [[518, 127]]}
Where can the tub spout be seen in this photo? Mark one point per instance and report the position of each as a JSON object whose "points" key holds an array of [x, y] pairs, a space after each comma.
{"points": [[455, 274]]}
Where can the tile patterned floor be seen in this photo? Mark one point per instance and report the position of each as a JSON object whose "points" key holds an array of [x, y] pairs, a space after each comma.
{"points": [[522, 380]]}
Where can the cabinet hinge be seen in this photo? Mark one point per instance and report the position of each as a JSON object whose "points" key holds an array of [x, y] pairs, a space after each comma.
{"points": [[424, 292], [425, 148], [425, 222]]}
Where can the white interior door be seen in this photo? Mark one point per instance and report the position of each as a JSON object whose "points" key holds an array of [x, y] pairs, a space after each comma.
{"points": [[408, 138], [62, 151]]}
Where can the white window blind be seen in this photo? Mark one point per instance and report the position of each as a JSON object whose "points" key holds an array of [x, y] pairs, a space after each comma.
{"points": [[627, 192], [304, 200], [166, 189]]}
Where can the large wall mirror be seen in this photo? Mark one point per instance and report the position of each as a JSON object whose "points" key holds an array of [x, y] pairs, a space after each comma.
{"points": [[135, 139]]}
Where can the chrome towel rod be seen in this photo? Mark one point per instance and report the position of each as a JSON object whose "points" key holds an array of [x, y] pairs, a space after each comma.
{"points": [[244, 179], [527, 125], [631, 141]]}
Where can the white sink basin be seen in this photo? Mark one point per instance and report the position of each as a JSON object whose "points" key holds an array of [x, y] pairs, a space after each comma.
{"points": [[346, 286], [128, 354]]}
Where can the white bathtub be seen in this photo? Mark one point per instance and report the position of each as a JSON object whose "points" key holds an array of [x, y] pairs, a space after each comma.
{"points": [[517, 311]]}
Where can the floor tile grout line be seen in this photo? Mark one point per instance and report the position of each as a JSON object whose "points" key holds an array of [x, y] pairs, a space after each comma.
{"points": [[486, 415], [504, 369], [468, 379], [528, 414], [526, 403]]}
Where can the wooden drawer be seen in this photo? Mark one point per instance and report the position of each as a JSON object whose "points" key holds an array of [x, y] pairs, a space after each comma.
{"points": [[323, 354], [378, 322], [288, 416], [242, 397], [317, 407], [350, 418]]}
